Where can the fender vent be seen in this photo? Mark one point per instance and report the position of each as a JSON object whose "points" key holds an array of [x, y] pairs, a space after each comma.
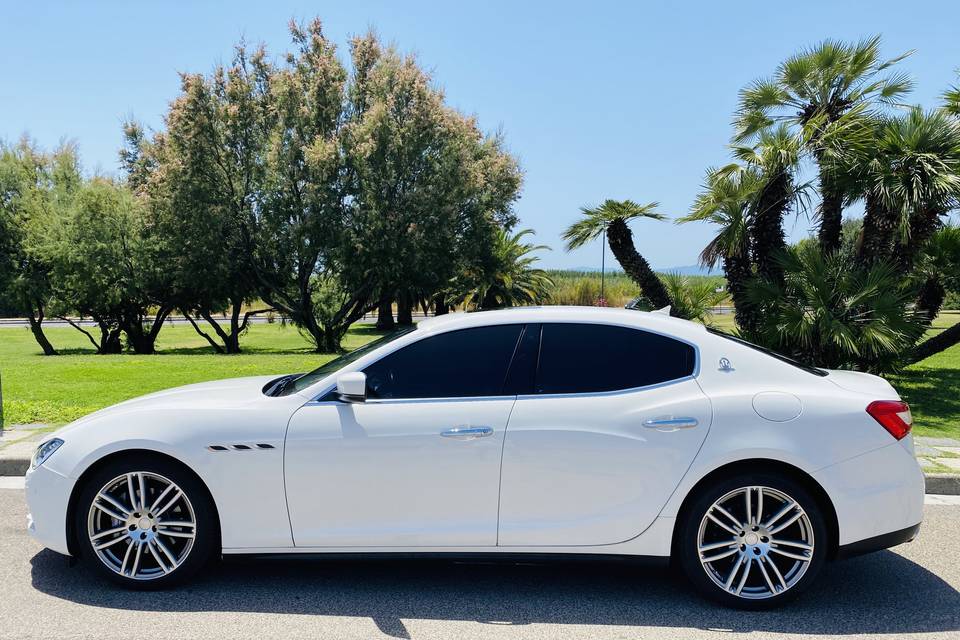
{"points": [[262, 446]]}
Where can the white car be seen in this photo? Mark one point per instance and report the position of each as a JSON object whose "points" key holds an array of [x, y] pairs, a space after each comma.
{"points": [[532, 431]]}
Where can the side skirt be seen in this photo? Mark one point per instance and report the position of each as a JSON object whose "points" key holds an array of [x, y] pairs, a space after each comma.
{"points": [[461, 557]]}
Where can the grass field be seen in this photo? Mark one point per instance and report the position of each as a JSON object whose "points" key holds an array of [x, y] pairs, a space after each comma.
{"points": [[58, 389], [62, 388]]}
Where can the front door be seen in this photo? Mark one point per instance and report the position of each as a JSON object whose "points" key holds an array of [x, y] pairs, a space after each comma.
{"points": [[418, 463]]}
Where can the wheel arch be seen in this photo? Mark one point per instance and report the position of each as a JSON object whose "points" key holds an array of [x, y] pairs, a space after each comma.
{"points": [[771, 466], [73, 545]]}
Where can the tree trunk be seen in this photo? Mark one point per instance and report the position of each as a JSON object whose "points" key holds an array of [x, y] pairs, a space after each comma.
{"points": [[831, 213], [404, 310], [213, 343], [440, 306], [143, 341], [36, 327], [878, 227], [923, 224], [634, 265], [767, 227], [330, 340], [385, 315], [940, 342], [930, 298], [738, 272]]}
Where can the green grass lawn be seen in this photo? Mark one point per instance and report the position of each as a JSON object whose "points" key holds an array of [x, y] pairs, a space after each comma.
{"points": [[58, 389], [932, 387], [61, 388]]}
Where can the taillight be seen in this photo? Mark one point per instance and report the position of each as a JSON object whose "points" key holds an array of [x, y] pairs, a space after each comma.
{"points": [[893, 415]]}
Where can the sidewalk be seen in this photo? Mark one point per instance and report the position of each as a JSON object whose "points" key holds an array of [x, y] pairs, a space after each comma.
{"points": [[940, 460], [939, 457], [17, 443]]}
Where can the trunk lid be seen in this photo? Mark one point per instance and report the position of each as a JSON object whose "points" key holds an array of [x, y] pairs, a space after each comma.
{"points": [[865, 383]]}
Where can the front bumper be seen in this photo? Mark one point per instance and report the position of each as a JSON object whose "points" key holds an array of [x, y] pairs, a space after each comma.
{"points": [[48, 495], [877, 494]]}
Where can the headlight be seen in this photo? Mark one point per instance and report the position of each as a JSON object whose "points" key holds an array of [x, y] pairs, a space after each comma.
{"points": [[44, 451]]}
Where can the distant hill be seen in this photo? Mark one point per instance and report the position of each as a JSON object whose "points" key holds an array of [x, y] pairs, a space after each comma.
{"points": [[689, 270], [692, 270]]}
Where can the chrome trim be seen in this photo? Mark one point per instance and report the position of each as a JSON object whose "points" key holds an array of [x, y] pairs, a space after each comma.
{"points": [[671, 423], [366, 362], [615, 392], [467, 433]]}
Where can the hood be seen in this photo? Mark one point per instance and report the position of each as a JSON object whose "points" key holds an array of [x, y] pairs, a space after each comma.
{"points": [[232, 393], [865, 383]]}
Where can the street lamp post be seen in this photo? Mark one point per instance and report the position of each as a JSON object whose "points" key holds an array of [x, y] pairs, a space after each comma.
{"points": [[603, 265]]}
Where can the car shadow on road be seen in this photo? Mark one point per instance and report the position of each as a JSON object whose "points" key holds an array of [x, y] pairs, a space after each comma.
{"points": [[881, 593]]}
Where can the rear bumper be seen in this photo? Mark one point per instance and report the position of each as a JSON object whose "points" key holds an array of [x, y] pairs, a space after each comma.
{"points": [[877, 494], [878, 543]]}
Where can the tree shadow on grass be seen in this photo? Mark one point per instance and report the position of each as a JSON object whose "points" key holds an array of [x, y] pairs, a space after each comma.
{"points": [[860, 596], [931, 392]]}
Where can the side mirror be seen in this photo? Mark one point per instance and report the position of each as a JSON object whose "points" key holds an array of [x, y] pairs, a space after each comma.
{"points": [[352, 387]]}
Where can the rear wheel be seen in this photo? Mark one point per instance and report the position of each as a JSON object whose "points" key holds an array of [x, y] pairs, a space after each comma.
{"points": [[145, 523], [753, 541]]}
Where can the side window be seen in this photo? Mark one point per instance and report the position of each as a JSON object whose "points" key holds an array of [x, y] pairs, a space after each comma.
{"points": [[583, 358], [458, 364]]}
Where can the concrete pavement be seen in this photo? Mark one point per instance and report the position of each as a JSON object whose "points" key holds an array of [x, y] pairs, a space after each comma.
{"points": [[909, 592]]}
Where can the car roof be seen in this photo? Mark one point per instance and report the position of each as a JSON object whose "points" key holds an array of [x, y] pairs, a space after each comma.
{"points": [[654, 321]]}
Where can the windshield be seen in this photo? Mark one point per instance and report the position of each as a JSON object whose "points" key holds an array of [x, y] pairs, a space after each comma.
{"points": [[773, 354], [307, 379]]}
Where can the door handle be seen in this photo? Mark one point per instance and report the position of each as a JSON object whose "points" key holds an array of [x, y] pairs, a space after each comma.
{"points": [[467, 433], [671, 423]]}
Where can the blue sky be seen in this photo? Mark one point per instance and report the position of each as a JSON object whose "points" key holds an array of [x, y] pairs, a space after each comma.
{"points": [[597, 99]]}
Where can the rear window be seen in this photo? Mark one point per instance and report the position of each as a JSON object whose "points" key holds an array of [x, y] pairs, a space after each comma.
{"points": [[585, 358], [770, 352]]}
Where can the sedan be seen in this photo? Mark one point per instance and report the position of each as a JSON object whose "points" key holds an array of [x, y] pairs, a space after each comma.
{"points": [[531, 432]]}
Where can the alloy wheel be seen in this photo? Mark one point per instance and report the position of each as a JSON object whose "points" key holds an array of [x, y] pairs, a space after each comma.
{"points": [[141, 525], [755, 542]]}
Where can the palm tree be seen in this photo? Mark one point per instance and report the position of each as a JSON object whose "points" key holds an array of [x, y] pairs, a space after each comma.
{"points": [[775, 157], [831, 313], [611, 218], [816, 91], [509, 280], [725, 201], [691, 300]]}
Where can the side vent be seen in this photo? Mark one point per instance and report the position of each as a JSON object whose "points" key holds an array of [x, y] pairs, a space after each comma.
{"points": [[262, 446]]}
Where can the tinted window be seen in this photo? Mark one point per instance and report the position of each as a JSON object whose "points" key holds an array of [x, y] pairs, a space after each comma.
{"points": [[470, 362], [336, 364], [582, 358]]}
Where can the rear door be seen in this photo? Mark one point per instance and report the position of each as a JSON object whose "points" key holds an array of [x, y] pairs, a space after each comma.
{"points": [[599, 443]]}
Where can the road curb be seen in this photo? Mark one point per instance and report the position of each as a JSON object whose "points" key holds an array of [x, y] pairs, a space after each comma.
{"points": [[14, 466], [943, 484]]}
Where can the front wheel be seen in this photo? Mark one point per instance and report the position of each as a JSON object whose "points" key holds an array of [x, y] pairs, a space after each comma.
{"points": [[145, 523], [753, 541]]}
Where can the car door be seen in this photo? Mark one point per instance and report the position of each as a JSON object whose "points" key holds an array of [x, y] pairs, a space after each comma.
{"points": [[418, 463], [597, 446]]}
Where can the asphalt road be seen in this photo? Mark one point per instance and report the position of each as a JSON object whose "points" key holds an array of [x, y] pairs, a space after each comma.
{"points": [[912, 591]]}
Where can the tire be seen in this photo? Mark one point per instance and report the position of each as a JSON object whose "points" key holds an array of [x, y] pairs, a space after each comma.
{"points": [[153, 546], [750, 557]]}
